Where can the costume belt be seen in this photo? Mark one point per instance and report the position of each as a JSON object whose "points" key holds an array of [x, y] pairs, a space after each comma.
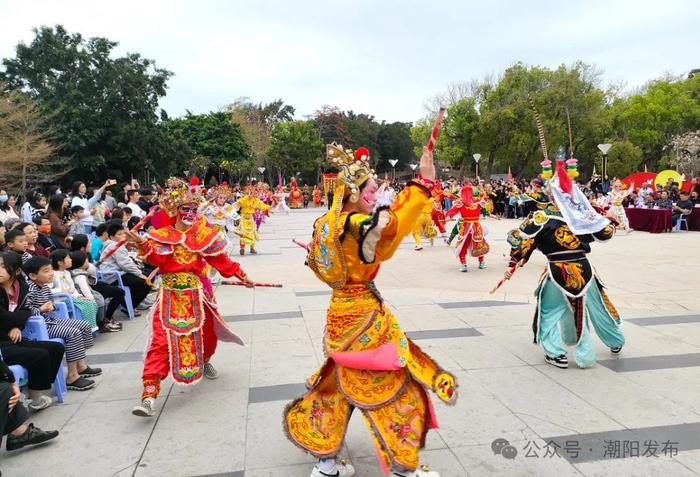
{"points": [[356, 290], [181, 281], [566, 256]]}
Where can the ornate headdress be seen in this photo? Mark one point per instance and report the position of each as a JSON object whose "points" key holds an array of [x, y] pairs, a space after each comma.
{"points": [[354, 170], [223, 190], [177, 193]]}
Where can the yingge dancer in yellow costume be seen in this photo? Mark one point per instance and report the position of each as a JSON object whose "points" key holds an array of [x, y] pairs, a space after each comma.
{"points": [[370, 363]]}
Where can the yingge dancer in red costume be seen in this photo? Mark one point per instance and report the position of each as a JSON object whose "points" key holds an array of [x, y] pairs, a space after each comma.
{"points": [[186, 321], [471, 234]]}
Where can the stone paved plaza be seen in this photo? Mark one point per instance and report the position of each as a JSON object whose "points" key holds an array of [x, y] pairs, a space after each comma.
{"points": [[644, 405]]}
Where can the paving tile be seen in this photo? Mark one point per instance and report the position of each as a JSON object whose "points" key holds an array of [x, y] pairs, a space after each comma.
{"points": [[626, 365], [481, 460], [315, 293], [279, 392], [191, 414], [544, 405], [110, 358], [664, 320], [477, 304], [264, 316], [452, 333], [643, 442]]}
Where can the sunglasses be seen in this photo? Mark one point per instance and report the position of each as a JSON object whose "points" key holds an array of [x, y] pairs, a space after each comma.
{"points": [[186, 209]]}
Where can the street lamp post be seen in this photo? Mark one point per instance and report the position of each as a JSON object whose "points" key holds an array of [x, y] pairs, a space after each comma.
{"points": [[393, 163], [413, 168], [261, 170], [604, 148], [476, 157]]}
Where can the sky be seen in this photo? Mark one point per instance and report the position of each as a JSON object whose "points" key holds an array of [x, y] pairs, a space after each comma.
{"points": [[380, 57]]}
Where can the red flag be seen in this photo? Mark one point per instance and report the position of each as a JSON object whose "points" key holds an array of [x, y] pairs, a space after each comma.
{"points": [[565, 182], [510, 175]]}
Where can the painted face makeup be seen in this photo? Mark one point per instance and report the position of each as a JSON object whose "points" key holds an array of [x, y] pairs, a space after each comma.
{"points": [[187, 213], [368, 197]]}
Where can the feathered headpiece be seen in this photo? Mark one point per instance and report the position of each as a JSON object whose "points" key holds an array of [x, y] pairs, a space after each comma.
{"points": [[353, 170], [177, 193]]}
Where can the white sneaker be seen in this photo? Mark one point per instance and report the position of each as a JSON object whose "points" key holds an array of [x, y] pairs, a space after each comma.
{"points": [[342, 469], [421, 472], [418, 247], [42, 403], [210, 371], [147, 408]]}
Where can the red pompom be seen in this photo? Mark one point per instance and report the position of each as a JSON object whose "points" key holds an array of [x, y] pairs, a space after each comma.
{"points": [[194, 180], [224, 183], [361, 151]]}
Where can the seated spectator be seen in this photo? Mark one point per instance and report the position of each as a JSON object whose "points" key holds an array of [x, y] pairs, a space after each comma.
{"points": [[13, 415], [98, 242], [663, 202], [80, 242], [646, 191], [76, 333], [120, 262], [54, 213], [84, 276], [695, 197], [16, 241], [126, 216], [43, 227], [76, 220], [33, 247], [41, 358], [63, 283], [683, 207], [7, 207], [2, 236], [34, 206], [601, 201]]}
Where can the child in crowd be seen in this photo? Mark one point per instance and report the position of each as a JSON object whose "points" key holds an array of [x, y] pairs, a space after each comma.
{"points": [[42, 359], [84, 276], [77, 225], [63, 282], [120, 262], [77, 334], [114, 294], [98, 242], [127, 215], [16, 241]]}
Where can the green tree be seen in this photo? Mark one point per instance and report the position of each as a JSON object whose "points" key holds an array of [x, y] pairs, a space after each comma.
{"points": [[213, 140], [257, 121], [103, 109], [662, 110], [394, 142], [296, 146], [624, 158]]}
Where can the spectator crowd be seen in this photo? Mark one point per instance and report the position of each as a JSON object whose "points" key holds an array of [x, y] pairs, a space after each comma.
{"points": [[63, 278]]}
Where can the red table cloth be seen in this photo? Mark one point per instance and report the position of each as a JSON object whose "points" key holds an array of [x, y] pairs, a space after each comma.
{"points": [[649, 220], [694, 219]]}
